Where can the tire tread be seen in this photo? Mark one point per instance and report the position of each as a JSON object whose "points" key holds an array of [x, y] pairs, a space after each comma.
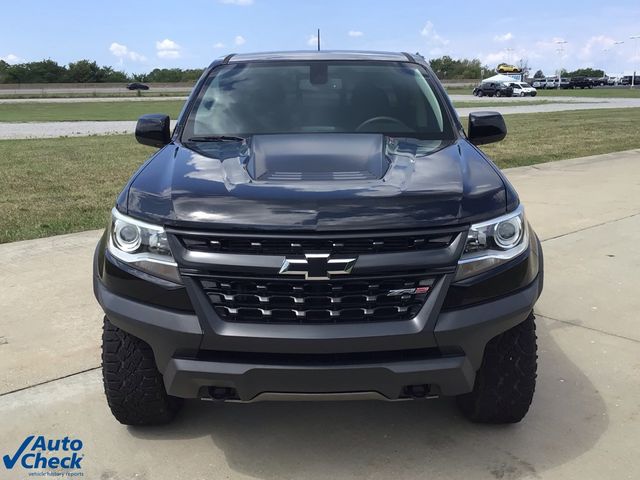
{"points": [[132, 383], [506, 380]]}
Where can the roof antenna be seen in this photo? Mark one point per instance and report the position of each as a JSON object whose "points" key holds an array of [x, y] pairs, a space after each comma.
{"points": [[318, 37]]}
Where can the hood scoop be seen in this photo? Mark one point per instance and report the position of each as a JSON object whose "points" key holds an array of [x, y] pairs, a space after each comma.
{"points": [[317, 157]]}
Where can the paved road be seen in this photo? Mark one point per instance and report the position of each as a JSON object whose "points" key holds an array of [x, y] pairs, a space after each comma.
{"points": [[584, 422], [554, 107], [515, 100], [65, 129], [70, 129]]}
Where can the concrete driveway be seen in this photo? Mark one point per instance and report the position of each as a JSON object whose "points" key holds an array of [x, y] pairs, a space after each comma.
{"points": [[584, 422]]}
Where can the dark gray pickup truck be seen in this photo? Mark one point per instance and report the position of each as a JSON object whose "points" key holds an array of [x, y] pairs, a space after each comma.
{"points": [[318, 225]]}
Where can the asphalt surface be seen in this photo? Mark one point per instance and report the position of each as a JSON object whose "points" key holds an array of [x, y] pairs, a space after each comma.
{"points": [[584, 422], [10, 130]]}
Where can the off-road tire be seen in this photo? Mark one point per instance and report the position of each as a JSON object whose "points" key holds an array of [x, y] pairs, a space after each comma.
{"points": [[133, 386], [506, 380]]}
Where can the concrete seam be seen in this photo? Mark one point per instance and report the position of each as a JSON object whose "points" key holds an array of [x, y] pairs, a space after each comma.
{"points": [[590, 227], [49, 381], [567, 322]]}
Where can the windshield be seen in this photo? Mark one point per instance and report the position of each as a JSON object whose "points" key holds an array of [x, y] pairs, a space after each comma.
{"points": [[318, 97]]}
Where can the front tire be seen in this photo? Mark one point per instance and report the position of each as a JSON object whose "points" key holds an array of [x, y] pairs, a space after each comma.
{"points": [[506, 381], [132, 383]]}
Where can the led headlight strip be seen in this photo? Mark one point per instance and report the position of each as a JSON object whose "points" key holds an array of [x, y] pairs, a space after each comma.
{"points": [[493, 243], [142, 246]]}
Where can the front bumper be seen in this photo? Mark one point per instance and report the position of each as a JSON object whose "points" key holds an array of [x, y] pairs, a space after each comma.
{"points": [[447, 368]]}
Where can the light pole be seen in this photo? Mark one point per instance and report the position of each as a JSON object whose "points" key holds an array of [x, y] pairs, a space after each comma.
{"points": [[612, 45], [561, 44], [620, 42], [633, 74], [509, 50]]}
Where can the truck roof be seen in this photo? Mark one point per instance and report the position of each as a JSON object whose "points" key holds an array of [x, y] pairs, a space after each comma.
{"points": [[320, 55]]}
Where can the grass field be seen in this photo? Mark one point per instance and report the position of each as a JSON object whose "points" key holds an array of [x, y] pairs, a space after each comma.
{"points": [[588, 93], [64, 185], [76, 111], [61, 185]]}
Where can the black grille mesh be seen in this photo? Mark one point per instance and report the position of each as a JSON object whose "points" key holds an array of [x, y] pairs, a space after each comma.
{"points": [[308, 302]]}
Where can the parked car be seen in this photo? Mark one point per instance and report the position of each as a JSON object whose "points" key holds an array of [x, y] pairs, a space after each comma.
{"points": [[578, 82], [565, 83], [137, 86], [277, 247], [551, 82], [627, 80], [506, 68], [599, 82], [491, 89], [521, 89], [539, 83]]}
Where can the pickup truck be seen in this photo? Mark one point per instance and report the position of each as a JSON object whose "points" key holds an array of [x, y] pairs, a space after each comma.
{"points": [[491, 89], [578, 82]]}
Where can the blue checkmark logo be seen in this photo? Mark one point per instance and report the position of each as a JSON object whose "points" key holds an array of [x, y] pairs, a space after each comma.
{"points": [[10, 462]]}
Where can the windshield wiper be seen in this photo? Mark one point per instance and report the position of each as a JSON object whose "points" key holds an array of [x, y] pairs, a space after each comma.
{"points": [[216, 138]]}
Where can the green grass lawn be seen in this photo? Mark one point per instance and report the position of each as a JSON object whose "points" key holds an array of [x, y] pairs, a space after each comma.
{"points": [[596, 92], [57, 112], [544, 137], [63, 185]]}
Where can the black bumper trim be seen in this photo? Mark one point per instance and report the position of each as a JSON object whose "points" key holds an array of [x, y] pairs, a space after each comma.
{"points": [[453, 376]]}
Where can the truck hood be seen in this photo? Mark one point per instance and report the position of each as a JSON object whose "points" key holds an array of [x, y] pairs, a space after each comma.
{"points": [[317, 182]]}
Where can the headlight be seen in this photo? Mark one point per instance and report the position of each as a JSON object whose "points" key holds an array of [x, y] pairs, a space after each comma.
{"points": [[142, 246], [493, 243]]}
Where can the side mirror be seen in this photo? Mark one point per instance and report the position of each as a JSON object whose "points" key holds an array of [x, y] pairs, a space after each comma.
{"points": [[486, 127], [153, 129]]}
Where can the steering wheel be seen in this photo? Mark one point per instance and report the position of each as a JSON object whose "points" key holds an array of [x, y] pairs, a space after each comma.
{"points": [[382, 119]]}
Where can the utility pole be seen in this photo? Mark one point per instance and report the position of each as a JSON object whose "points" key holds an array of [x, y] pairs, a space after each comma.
{"points": [[635, 41], [620, 42], [509, 50], [561, 44], [318, 39]]}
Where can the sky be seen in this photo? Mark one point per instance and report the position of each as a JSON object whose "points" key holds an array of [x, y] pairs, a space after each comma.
{"points": [[138, 35]]}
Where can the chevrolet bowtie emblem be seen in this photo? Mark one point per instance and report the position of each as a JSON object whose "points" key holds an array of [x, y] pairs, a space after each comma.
{"points": [[317, 266]]}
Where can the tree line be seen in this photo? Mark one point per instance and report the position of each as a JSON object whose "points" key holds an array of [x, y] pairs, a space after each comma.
{"points": [[86, 71], [581, 72]]}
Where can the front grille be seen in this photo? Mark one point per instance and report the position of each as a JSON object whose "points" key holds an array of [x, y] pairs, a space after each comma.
{"points": [[312, 302], [291, 245]]}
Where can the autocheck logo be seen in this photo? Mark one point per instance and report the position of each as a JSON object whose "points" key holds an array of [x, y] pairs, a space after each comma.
{"points": [[38, 452]]}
